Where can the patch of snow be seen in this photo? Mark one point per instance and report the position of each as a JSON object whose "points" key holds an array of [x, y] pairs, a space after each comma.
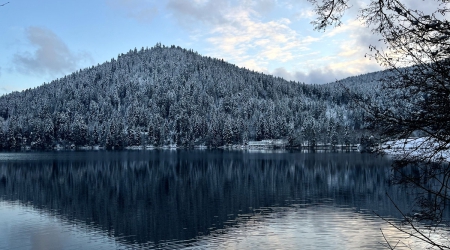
{"points": [[416, 148], [134, 147], [267, 143]]}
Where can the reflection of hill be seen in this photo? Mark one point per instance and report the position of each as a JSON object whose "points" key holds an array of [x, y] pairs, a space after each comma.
{"points": [[162, 195]]}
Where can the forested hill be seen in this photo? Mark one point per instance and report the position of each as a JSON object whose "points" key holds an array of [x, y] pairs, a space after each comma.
{"points": [[169, 95]]}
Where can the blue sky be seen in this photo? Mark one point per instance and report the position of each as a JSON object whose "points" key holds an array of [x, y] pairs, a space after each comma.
{"points": [[44, 40]]}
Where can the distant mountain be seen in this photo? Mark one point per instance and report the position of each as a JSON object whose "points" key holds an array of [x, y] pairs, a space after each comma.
{"points": [[169, 95]]}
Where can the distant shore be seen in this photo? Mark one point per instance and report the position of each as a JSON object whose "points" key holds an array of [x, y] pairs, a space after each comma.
{"points": [[253, 145]]}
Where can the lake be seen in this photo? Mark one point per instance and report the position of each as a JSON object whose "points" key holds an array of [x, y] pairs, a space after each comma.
{"points": [[197, 199]]}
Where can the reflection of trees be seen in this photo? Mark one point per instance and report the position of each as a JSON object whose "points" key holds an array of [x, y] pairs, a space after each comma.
{"points": [[163, 195]]}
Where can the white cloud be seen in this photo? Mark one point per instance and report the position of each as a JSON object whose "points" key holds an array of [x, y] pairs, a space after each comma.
{"points": [[236, 31], [241, 35], [190, 12], [52, 55], [327, 69], [5, 89], [141, 10], [308, 14], [315, 76], [264, 35], [261, 6], [346, 27]]}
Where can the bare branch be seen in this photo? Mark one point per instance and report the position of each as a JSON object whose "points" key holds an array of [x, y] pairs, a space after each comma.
{"points": [[330, 12], [416, 53]]}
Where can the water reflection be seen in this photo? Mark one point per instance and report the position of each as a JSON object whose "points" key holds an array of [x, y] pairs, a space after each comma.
{"points": [[187, 198]]}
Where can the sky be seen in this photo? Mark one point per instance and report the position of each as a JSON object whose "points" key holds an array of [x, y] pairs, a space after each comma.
{"points": [[44, 40]]}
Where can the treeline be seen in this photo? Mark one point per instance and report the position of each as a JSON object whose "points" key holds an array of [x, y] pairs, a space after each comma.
{"points": [[169, 95]]}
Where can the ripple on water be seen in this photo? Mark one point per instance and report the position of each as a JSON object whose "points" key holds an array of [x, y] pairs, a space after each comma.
{"points": [[24, 227], [293, 227], [322, 227]]}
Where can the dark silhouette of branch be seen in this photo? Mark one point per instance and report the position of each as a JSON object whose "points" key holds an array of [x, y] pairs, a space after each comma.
{"points": [[388, 245], [330, 12], [4, 4]]}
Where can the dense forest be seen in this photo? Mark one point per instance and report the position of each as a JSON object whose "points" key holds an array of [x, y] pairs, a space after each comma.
{"points": [[172, 96]]}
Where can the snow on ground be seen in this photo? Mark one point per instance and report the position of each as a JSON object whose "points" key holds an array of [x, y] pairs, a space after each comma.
{"points": [[417, 148]]}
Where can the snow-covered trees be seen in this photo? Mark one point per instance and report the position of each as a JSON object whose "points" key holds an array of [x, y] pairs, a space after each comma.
{"points": [[165, 95]]}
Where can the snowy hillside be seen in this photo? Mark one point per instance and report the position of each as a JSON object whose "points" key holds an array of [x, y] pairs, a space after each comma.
{"points": [[169, 95]]}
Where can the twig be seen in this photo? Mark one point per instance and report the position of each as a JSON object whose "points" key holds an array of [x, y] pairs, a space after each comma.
{"points": [[387, 242], [422, 237]]}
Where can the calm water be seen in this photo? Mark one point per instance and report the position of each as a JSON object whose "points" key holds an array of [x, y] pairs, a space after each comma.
{"points": [[196, 200]]}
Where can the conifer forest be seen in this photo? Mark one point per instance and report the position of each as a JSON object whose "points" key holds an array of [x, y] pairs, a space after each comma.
{"points": [[163, 96]]}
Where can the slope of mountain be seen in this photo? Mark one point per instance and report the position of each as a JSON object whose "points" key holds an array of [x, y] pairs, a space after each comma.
{"points": [[169, 95]]}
